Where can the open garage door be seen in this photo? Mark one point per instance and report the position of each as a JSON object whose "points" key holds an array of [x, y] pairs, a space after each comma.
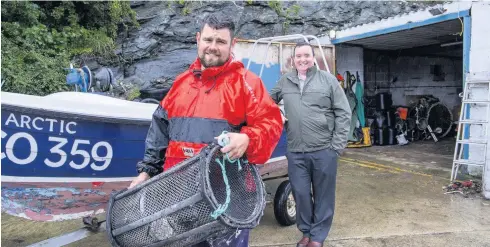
{"points": [[412, 69]]}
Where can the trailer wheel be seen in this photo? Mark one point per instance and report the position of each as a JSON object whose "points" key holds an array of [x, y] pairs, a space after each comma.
{"points": [[284, 204]]}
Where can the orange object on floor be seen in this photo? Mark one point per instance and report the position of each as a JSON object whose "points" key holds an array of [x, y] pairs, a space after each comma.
{"points": [[402, 112]]}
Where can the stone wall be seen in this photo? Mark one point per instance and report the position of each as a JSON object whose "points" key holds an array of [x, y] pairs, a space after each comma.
{"points": [[165, 44]]}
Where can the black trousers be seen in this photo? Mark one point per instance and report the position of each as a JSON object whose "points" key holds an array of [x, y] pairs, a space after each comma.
{"points": [[317, 170]]}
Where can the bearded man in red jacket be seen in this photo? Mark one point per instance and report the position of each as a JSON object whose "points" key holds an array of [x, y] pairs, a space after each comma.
{"points": [[215, 94]]}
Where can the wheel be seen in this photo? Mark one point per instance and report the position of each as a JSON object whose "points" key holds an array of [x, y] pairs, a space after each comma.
{"points": [[440, 119], [284, 204]]}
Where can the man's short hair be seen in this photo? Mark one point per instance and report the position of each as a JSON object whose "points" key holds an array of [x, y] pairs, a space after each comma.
{"points": [[219, 22], [303, 43]]}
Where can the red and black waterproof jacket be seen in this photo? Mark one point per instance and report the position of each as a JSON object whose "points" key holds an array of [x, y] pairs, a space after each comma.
{"points": [[201, 105]]}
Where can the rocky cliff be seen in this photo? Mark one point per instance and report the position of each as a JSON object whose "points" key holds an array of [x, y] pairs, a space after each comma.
{"points": [[164, 45]]}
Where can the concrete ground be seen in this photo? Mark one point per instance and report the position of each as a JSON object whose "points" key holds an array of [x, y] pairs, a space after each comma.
{"points": [[427, 156], [386, 196]]}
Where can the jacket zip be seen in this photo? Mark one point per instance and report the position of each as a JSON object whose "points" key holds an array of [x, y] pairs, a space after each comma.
{"points": [[301, 122], [198, 96], [302, 105]]}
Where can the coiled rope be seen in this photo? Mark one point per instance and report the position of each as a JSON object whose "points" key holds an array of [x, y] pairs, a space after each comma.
{"points": [[224, 140]]}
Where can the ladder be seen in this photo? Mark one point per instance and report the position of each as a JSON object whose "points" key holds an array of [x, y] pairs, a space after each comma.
{"points": [[463, 141]]}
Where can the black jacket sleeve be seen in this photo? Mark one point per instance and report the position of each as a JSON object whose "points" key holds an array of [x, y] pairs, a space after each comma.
{"points": [[156, 144]]}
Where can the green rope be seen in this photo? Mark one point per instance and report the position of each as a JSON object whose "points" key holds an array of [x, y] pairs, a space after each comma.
{"points": [[222, 208], [223, 140]]}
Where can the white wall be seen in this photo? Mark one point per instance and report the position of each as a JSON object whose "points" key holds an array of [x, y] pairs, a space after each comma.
{"points": [[324, 40], [350, 59], [480, 42], [414, 78], [479, 68]]}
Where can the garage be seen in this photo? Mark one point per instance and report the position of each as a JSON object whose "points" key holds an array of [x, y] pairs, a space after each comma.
{"points": [[412, 69]]}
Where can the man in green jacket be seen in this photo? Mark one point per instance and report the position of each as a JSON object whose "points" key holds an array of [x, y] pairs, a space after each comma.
{"points": [[317, 123]]}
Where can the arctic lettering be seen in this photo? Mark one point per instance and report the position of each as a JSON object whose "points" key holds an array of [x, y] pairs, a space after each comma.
{"points": [[39, 123]]}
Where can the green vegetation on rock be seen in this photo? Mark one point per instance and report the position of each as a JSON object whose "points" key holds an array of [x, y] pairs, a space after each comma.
{"points": [[287, 13], [39, 40]]}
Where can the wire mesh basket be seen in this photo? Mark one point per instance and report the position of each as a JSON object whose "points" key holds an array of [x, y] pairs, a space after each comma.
{"points": [[194, 201]]}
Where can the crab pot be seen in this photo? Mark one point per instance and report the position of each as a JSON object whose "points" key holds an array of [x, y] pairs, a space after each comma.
{"points": [[178, 207]]}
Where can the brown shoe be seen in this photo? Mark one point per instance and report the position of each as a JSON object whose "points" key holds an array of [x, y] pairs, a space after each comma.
{"points": [[314, 244], [303, 242]]}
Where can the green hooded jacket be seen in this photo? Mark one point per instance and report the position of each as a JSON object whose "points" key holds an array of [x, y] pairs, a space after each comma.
{"points": [[318, 117]]}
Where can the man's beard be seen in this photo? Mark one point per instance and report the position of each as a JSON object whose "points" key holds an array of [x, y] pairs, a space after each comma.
{"points": [[212, 63]]}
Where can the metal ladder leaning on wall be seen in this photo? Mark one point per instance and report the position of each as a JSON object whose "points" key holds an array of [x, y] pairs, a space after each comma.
{"points": [[463, 142]]}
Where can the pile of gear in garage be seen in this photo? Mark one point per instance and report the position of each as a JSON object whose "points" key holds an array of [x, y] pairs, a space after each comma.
{"points": [[377, 121]]}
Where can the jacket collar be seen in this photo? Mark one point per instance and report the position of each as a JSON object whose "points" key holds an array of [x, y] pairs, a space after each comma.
{"points": [[214, 72], [293, 75]]}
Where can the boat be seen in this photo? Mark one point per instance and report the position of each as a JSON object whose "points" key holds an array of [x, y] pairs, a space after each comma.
{"points": [[65, 153]]}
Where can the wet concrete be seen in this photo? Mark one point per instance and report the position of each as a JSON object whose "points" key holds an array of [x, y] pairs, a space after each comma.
{"points": [[428, 156], [392, 208], [381, 201]]}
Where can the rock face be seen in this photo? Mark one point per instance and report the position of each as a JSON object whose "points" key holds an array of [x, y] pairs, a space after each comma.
{"points": [[165, 44]]}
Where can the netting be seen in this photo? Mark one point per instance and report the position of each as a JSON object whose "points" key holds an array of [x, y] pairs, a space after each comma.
{"points": [[188, 204]]}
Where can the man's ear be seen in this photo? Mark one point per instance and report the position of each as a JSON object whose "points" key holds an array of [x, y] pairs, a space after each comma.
{"points": [[233, 42], [198, 37]]}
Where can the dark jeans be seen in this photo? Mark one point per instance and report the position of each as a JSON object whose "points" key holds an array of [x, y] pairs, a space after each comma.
{"points": [[316, 169]]}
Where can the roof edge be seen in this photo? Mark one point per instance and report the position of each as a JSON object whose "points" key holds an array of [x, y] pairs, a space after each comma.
{"points": [[402, 22]]}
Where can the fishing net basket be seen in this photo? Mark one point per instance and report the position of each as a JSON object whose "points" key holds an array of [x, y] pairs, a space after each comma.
{"points": [[193, 201]]}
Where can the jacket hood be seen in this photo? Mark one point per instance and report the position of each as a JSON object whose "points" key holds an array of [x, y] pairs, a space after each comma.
{"points": [[230, 66], [214, 72]]}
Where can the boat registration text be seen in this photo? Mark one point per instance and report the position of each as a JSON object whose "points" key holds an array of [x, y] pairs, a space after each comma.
{"points": [[76, 153]]}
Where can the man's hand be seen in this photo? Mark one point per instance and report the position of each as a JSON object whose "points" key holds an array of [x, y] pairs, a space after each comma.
{"points": [[139, 179], [237, 146], [284, 119]]}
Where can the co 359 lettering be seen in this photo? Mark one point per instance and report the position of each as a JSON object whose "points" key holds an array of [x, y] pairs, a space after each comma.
{"points": [[88, 152], [77, 153]]}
